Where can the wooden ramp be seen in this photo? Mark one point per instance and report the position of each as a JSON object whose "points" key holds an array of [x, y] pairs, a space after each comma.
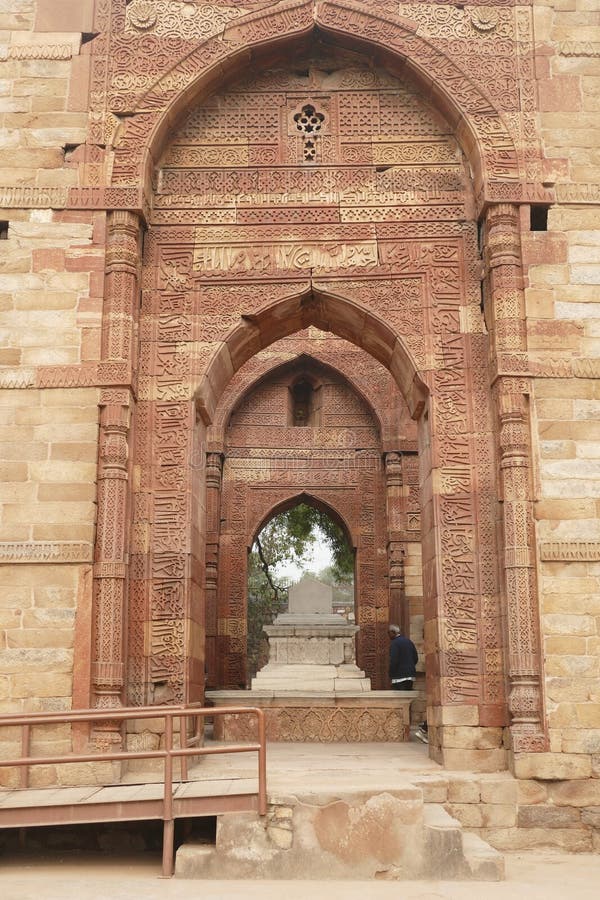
{"points": [[168, 800], [122, 803]]}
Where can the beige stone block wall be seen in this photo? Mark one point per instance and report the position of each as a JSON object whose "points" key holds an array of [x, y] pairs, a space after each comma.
{"points": [[520, 815], [51, 266], [51, 282], [48, 450], [563, 308], [48, 457]]}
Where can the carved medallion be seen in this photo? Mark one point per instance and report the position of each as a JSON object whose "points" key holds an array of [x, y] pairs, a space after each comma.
{"points": [[142, 14], [484, 19]]}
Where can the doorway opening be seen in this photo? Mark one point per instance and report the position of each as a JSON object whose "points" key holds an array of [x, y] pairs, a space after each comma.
{"points": [[298, 542]]}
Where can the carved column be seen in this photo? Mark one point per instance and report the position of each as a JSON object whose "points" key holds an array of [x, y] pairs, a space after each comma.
{"points": [[111, 551], [121, 287], [395, 508], [503, 258], [110, 559], [214, 473]]}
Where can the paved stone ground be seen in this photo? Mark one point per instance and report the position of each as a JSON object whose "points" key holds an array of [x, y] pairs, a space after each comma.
{"points": [[540, 875], [292, 766]]}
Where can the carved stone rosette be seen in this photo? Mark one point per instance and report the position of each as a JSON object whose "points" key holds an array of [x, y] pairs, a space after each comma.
{"points": [[503, 259], [111, 550]]}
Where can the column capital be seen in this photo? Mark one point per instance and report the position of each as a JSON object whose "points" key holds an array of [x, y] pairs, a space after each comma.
{"points": [[503, 239], [392, 461]]}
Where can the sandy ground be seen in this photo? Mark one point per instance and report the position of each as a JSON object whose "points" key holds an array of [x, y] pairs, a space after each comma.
{"points": [[539, 875]]}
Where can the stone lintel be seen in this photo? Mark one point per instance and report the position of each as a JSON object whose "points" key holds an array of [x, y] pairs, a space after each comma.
{"points": [[262, 697], [308, 629]]}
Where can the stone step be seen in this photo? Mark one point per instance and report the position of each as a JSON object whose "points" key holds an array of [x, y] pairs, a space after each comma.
{"points": [[443, 843], [382, 834], [485, 863], [455, 853]]}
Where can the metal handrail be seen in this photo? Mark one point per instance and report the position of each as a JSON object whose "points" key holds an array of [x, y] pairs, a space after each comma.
{"points": [[168, 753]]}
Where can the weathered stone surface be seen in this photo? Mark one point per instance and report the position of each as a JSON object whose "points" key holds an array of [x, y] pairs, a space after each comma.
{"points": [[531, 792], [576, 793], [378, 833], [569, 839], [543, 816], [553, 766], [467, 791], [472, 738], [501, 791], [475, 760], [591, 816]]}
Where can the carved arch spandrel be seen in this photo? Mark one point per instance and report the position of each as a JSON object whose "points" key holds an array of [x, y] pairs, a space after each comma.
{"points": [[264, 369], [327, 311], [478, 124]]}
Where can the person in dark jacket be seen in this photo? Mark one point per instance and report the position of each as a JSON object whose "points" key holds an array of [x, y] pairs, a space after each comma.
{"points": [[402, 670], [403, 660]]}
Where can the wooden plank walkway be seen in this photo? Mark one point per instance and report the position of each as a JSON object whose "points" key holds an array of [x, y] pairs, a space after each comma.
{"points": [[124, 802]]}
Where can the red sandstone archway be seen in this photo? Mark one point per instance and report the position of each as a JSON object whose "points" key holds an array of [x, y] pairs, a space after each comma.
{"points": [[448, 516], [282, 31], [313, 305], [463, 556], [358, 392], [335, 468]]}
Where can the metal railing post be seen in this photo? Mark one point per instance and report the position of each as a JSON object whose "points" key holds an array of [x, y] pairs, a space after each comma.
{"points": [[25, 751], [183, 772], [262, 763], [168, 822]]}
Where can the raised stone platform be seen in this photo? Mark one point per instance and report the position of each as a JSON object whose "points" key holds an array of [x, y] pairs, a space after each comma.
{"points": [[285, 678], [318, 716]]}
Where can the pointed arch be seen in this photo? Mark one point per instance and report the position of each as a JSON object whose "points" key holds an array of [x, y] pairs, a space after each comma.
{"points": [[327, 311], [228, 404], [275, 32], [310, 498]]}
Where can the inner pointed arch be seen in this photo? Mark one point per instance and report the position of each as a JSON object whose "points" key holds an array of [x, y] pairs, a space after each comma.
{"points": [[304, 364], [327, 311], [309, 498]]}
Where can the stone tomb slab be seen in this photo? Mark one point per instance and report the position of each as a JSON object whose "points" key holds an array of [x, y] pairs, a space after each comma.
{"points": [[310, 597]]}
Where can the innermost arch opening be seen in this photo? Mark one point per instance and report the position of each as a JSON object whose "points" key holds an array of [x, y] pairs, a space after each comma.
{"points": [[302, 540]]}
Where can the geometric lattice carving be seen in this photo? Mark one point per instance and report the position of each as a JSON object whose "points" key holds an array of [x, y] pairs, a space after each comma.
{"points": [[309, 123]]}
